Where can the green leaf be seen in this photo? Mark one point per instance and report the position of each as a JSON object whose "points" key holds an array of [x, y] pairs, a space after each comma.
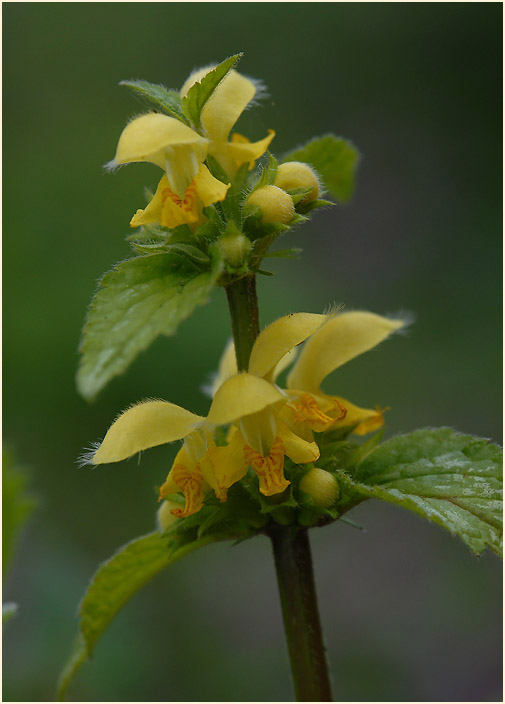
{"points": [[335, 159], [298, 194], [200, 92], [9, 609], [291, 253], [313, 204], [115, 582], [168, 100], [150, 235], [138, 300], [452, 479], [16, 505]]}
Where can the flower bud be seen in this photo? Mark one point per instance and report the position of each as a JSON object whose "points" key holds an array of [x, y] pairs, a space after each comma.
{"points": [[164, 517], [321, 486], [234, 247], [295, 174], [274, 203]]}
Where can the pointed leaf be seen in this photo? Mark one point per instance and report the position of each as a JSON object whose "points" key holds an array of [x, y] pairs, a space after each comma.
{"points": [[16, 505], [335, 159], [292, 253], [168, 100], [138, 300], [200, 92], [452, 479], [116, 581]]}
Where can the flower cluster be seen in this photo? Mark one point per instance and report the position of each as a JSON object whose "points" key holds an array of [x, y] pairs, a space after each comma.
{"points": [[208, 177], [265, 422], [200, 162], [187, 186]]}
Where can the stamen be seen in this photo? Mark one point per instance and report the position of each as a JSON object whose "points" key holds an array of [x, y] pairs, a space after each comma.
{"points": [[306, 409]]}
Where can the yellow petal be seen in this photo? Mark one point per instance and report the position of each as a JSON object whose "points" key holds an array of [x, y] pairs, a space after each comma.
{"points": [[227, 367], [167, 208], [368, 419], [339, 340], [259, 430], [191, 485], [209, 189], [240, 152], [148, 137], [227, 465], [241, 395], [226, 104], [296, 448], [270, 468], [306, 409], [176, 211], [169, 486], [278, 338], [145, 425], [284, 363], [152, 212]]}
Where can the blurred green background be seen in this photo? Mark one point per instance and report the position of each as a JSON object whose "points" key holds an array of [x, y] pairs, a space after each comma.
{"points": [[409, 614]]}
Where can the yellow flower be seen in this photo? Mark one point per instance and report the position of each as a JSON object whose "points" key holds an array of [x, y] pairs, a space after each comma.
{"points": [[342, 338], [335, 340], [254, 405], [221, 112], [153, 423], [267, 423], [187, 185], [200, 464]]}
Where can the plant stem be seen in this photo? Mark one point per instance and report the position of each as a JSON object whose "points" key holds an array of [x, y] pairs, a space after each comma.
{"points": [[293, 563], [243, 304]]}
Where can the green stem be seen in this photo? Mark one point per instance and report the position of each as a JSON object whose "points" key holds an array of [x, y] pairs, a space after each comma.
{"points": [[293, 563], [243, 304]]}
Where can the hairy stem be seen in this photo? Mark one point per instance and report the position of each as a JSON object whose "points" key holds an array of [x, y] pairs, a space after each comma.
{"points": [[293, 563], [243, 304]]}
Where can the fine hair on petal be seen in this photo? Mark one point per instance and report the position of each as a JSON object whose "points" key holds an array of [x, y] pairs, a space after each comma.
{"points": [[85, 458]]}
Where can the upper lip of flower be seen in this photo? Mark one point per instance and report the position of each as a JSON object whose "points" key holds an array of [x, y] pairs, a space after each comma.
{"points": [[148, 137], [221, 112], [329, 342]]}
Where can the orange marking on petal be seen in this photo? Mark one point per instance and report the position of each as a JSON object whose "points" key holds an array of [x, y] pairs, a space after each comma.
{"points": [[167, 193], [306, 409], [343, 411], [222, 493], [270, 469], [191, 485], [190, 197]]}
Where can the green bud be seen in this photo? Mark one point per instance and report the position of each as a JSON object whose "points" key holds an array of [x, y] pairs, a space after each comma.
{"points": [[275, 204], [234, 248], [164, 517], [321, 486]]}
